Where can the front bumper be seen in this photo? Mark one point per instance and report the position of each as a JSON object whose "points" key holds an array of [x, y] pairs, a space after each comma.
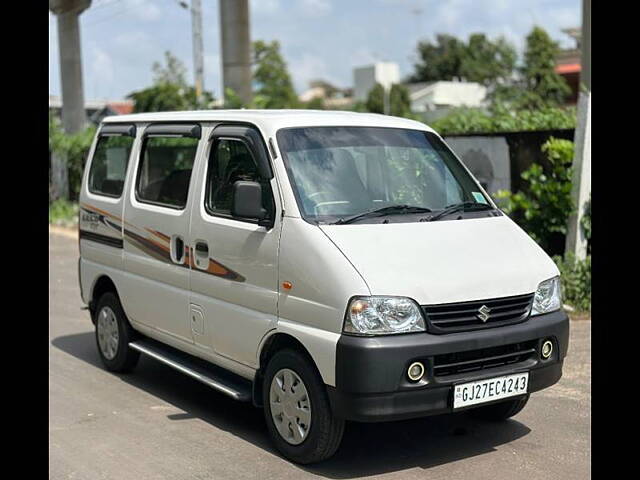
{"points": [[371, 380]]}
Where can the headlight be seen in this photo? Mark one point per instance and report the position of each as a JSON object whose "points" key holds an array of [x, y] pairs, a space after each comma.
{"points": [[548, 297], [383, 315]]}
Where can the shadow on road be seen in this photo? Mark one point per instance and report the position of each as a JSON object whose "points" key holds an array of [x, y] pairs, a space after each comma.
{"points": [[367, 449]]}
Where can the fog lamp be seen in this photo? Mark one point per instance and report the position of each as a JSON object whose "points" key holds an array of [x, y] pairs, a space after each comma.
{"points": [[415, 371], [547, 349]]}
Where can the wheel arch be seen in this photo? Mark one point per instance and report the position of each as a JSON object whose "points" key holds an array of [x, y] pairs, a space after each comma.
{"points": [[101, 285], [272, 344]]}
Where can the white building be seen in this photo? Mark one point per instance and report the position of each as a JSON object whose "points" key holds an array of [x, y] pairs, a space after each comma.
{"points": [[439, 97], [365, 78]]}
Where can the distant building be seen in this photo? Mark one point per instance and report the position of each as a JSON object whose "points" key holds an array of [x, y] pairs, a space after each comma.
{"points": [[435, 99], [568, 64], [365, 78], [95, 110], [332, 97]]}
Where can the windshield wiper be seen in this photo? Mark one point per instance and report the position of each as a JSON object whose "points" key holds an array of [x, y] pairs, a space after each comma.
{"points": [[378, 212], [456, 207]]}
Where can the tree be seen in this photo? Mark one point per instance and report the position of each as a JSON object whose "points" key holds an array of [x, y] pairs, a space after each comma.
{"points": [[439, 61], [487, 62], [275, 89], [169, 91], [539, 85], [539, 72], [375, 99], [399, 101]]}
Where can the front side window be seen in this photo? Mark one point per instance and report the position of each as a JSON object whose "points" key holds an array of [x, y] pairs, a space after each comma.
{"points": [[165, 170], [232, 161], [343, 171], [109, 165]]}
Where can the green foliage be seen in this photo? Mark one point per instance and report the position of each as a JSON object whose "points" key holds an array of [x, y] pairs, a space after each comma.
{"points": [[275, 89], [586, 220], [232, 99], [315, 103], [399, 101], [544, 208], [480, 60], [539, 86], [63, 212], [575, 276], [501, 119], [441, 60], [73, 148], [375, 99], [169, 91]]}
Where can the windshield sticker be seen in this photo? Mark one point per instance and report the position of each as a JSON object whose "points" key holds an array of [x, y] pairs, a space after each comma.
{"points": [[479, 197]]}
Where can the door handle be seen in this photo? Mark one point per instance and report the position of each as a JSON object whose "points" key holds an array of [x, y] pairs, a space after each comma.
{"points": [[177, 249], [202, 248]]}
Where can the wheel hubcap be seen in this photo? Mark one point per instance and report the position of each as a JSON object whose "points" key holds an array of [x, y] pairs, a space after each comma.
{"points": [[290, 406], [108, 333]]}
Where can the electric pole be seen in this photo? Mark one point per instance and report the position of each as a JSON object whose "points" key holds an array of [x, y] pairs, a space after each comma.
{"points": [[236, 48], [198, 60], [73, 114], [581, 191]]}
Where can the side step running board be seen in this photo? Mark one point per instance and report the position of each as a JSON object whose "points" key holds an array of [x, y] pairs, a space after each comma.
{"points": [[215, 377]]}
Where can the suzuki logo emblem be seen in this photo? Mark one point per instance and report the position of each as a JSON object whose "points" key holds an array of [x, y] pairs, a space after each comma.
{"points": [[483, 313]]}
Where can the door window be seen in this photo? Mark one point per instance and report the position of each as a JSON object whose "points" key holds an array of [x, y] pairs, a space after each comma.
{"points": [[165, 170], [109, 165], [231, 161]]}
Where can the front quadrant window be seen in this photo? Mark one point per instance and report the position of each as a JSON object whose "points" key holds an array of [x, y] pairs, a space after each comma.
{"points": [[165, 170], [109, 165], [342, 171], [231, 161]]}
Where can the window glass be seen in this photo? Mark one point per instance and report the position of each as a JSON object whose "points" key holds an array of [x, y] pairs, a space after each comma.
{"points": [[165, 170], [230, 162], [339, 171], [109, 165]]}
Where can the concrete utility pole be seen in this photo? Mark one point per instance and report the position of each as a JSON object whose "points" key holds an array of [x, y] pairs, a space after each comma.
{"points": [[236, 47], [198, 61], [73, 114], [576, 242]]}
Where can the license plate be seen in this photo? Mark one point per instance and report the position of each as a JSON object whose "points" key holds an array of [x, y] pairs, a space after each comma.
{"points": [[490, 389]]}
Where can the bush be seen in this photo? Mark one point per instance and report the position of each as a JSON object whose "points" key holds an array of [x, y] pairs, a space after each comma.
{"points": [[502, 119], [74, 148], [576, 281], [544, 208], [63, 212]]}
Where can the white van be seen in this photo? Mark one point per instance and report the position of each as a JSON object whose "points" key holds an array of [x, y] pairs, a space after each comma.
{"points": [[326, 266]]}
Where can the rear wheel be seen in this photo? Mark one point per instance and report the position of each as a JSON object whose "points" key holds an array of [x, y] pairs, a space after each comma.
{"points": [[501, 411], [297, 410], [113, 334]]}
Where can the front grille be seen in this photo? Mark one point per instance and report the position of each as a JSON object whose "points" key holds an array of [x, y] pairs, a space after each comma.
{"points": [[473, 360], [464, 316]]}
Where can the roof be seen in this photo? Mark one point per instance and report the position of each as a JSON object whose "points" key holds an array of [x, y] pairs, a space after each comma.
{"points": [[445, 92], [271, 120], [121, 108], [568, 68]]}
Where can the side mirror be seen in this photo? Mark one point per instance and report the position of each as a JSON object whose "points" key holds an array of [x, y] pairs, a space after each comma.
{"points": [[247, 202]]}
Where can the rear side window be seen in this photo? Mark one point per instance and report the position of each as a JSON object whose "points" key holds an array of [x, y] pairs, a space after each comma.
{"points": [[165, 170], [109, 165], [231, 161]]}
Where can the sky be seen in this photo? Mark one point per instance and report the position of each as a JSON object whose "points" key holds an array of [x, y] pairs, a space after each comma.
{"points": [[320, 39]]}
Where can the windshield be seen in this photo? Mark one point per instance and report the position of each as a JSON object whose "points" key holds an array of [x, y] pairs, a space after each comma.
{"points": [[341, 171]]}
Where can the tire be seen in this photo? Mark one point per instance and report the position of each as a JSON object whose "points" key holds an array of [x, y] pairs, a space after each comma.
{"points": [[500, 411], [323, 431], [115, 354]]}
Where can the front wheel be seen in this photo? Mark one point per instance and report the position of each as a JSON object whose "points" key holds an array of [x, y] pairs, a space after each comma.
{"points": [[297, 410], [113, 334], [501, 411]]}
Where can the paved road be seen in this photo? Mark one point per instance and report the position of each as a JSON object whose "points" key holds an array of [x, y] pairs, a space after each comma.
{"points": [[158, 424]]}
